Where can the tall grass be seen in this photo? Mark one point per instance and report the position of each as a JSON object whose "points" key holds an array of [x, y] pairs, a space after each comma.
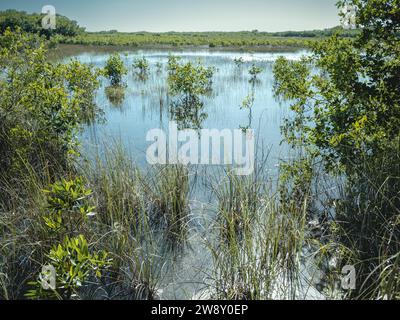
{"points": [[257, 254], [369, 220]]}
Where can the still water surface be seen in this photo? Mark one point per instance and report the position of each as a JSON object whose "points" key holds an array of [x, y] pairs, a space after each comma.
{"points": [[145, 106]]}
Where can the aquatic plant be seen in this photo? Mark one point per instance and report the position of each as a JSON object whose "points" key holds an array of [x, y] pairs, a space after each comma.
{"points": [[141, 67], [115, 69]]}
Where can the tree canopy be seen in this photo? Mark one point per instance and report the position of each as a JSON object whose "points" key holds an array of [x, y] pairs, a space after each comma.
{"points": [[32, 23]]}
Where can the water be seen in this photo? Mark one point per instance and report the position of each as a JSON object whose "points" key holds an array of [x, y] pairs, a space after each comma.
{"points": [[145, 106]]}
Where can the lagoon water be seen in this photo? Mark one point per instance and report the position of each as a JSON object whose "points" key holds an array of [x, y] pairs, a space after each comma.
{"points": [[145, 106]]}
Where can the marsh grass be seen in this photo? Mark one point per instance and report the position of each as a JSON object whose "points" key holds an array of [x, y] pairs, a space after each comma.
{"points": [[262, 261], [368, 217], [168, 192], [260, 243]]}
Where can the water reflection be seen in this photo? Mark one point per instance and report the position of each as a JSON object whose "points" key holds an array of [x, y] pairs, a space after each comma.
{"points": [[115, 95], [188, 112]]}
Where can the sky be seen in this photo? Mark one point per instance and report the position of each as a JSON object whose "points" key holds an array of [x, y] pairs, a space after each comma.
{"points": [[190, 15]]}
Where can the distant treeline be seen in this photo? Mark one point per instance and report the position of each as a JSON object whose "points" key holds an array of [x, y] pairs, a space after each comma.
{"points": [[69, 32], [32, 23], [254, 33]]}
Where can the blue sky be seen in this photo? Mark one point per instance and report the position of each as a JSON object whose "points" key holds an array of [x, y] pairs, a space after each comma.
{"points": [[190, 15]]}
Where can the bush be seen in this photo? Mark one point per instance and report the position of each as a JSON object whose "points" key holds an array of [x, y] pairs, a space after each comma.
{"points": [[68, 206], [42, 106], [74, 264], [189, 79], [115, 69], [142, 67]]}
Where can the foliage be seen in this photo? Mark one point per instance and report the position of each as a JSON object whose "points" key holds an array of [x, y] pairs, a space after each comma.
{"points": [[116, 95], [42, 105], [32, 23], [245, 39], [68, 206], [83, 80], [238, 62], [142, 67], [74, 265], [254, 72], [188, 82], [115, 69], [346, 103], [354, 99], [189, 79]]}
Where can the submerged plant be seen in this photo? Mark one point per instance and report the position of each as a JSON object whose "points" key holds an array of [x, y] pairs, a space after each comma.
{"points": [[254, 72], [116, 95], [238, 62], [141, 67]]}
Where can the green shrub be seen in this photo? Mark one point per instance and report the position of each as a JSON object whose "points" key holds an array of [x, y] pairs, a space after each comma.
{"points": [[68, 206], [254, 72], [42, 106], [115, 69], [142, 67], [74, 265], [189, 79]]}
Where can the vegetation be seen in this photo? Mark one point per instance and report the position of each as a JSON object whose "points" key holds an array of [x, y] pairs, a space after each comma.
{"points": [[115, 69], [353, 101], [69, 32], [188, 79], [108, 228], [32, 23], [187, 83], [282, 41], [73, 264], [141, 67]]}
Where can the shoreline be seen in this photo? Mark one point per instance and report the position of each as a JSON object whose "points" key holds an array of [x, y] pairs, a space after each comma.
{"points": [[73, 49]]}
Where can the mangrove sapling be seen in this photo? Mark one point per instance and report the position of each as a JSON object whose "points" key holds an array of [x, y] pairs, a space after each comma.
{"points": [[189, 79], [254, 72], [238, 62], [50, 103], [68, 207], [115, 70], [352, 123], [141, 68], [187, 83], [74, 264]]}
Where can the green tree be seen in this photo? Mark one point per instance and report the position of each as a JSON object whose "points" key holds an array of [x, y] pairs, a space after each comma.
{"points": [[32, 23], [189, 79], [42, 106], [346, 103]]}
